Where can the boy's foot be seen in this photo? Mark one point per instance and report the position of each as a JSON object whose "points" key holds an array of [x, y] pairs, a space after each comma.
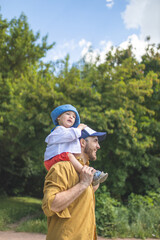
{"points": [[99, 177]]}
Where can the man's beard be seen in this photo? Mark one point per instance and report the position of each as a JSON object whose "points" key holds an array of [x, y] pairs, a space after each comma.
{"points": [[89, 152]]}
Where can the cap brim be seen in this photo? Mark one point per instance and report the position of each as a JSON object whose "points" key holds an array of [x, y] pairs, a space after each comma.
{"points": [[101, 135]]}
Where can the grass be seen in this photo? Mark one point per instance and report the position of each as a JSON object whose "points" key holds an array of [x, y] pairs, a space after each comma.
{"points": [[22, 214], [36, 225]]}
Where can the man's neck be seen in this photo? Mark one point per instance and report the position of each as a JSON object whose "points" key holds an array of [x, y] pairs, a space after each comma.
{"points": [[82, 156]]}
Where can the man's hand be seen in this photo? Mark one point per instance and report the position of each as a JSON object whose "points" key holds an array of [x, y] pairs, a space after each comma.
{"points": [[86, 176], [82, 126]]}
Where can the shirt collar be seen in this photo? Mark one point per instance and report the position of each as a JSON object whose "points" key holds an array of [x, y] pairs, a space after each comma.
{"points": [[80, 159]]}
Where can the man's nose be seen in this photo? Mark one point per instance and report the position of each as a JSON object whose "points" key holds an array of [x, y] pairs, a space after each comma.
{"points": [[98, 146]]}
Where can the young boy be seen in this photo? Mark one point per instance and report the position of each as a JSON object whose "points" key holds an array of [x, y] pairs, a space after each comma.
{"points": [[63, 141]]}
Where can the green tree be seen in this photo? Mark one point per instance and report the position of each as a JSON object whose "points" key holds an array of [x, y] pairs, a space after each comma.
{"points": [[19, 47], [21, 83], [123, 111], [120, 96]]}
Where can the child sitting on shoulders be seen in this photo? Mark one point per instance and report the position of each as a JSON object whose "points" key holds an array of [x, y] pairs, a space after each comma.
{"points": [[63, 141]]}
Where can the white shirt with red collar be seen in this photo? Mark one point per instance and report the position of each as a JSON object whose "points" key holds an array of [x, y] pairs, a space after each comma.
{"points": [[62, 140]]}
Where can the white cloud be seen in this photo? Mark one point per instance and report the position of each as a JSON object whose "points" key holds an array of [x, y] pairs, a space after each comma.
{"points": [[53, 55], [143, 15], [83, 49], [91, 56], [74, 49], [138, 50], [71, 45], [109, 3], [138, 45], [84, 43], [78, 50], [61, 50]]}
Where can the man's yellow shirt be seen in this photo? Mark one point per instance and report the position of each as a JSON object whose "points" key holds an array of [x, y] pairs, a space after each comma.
{"points": [[76, 222]]}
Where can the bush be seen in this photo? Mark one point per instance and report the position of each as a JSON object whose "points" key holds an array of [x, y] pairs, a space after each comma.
{"points": [[111, 217], [144, 215], [140, 218]]}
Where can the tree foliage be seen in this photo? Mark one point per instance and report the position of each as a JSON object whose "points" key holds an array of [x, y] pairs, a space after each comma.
{"points": [[120, 96]]}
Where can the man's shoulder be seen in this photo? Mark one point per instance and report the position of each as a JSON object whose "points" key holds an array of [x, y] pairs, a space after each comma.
{"points": [[63, 172], [62, 167], [62, 164]]}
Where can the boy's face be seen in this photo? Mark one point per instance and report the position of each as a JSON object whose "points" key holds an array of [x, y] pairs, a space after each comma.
{"points": [[67, 119]]}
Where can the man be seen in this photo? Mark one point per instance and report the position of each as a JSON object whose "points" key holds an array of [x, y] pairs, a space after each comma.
{"points": [[68, 201]]}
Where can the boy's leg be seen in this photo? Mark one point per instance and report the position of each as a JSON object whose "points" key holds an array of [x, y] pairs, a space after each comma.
{"points": [[99, 176], [60, 157], [77, 165]]}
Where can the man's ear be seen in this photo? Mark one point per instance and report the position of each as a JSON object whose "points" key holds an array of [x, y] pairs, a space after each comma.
{"points": [[83, 143]]}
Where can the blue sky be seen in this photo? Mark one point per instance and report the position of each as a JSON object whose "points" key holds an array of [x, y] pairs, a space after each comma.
{"points": [[75, 25]]}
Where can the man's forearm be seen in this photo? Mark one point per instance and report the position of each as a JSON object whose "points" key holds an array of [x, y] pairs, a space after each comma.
{"points": [[63, 199]]}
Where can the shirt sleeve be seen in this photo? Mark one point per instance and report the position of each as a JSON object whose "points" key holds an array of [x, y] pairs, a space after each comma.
{"points": [[63, 135], [56, 181]]}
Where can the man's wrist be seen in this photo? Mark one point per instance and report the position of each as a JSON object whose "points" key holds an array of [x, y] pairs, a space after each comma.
{"points": [[83, 185]]}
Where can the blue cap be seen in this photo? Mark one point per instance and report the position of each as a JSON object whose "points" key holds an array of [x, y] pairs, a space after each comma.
{"points": [[64, 108], [88, 132]]}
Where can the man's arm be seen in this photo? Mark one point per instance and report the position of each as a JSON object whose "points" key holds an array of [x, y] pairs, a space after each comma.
{"points": [[63, 199]]}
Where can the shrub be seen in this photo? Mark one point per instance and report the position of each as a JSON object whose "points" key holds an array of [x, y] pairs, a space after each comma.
{"points": [[140, 218], [111, 217], [144, 215]]}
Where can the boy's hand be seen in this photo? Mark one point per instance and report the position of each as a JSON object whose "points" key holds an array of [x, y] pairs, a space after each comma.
{"points": [[82, 126]]}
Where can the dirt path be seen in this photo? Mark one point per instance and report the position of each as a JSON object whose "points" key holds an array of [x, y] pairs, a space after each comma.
{"points": [[11, 235]]}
